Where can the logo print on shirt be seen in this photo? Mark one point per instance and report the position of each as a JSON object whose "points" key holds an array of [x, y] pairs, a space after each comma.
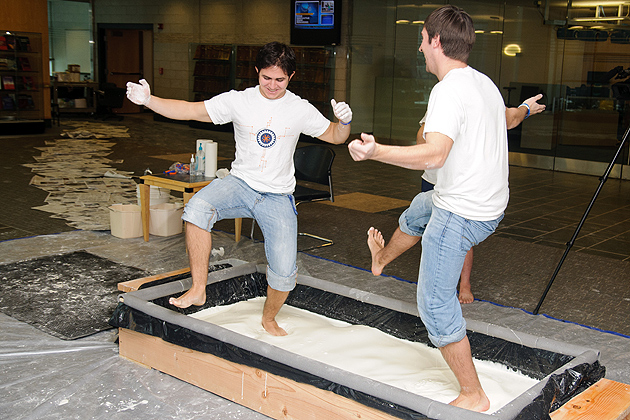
{"points": [[266, 138]]}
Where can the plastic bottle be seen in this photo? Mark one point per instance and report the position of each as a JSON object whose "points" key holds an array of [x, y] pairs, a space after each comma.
{"points": [[201, 161], [192, 169]]}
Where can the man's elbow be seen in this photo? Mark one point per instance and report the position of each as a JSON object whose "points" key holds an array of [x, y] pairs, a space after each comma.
{"points": [[435, 163]]}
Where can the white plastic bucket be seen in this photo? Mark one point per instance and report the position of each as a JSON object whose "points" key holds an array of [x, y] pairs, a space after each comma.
{"points": [[125, 220], [157, 195], [166, 219]]}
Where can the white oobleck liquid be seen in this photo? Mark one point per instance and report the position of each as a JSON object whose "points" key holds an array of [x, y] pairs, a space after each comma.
{"points": [[368, 352]]}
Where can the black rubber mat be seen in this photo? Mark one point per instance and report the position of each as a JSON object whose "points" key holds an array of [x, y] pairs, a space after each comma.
{"points": [[68, 296]]}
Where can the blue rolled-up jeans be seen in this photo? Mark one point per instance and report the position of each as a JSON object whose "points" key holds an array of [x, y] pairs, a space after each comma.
{"points": [[231, 198], [446, 238]]}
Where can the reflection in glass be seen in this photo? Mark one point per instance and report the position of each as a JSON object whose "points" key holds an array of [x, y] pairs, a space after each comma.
{"points": [[578, 57]]}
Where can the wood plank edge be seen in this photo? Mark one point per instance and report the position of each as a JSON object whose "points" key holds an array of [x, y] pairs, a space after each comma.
{"points": [[604, 400], [269, 394], [133, 285]]}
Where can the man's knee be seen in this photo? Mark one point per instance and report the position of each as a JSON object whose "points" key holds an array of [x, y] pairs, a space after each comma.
{"points": [[200, 213], [442, 331], [281, 283]]}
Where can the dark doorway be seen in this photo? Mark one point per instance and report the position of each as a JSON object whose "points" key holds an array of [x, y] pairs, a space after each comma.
{"points": [[125, 54]]}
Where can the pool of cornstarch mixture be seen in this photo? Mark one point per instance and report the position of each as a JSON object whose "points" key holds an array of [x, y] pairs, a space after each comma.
{"points": [[366, 351]]}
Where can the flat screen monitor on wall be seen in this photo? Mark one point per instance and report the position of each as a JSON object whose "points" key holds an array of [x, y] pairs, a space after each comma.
{"points": [[315, 22]]}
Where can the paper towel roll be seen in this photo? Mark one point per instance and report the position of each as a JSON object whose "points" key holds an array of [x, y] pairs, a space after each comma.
{"points": [[202, 141], [211, 151]]}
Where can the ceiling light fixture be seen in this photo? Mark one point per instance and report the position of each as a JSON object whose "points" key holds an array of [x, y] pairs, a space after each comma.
{"points": [[512, 50]]}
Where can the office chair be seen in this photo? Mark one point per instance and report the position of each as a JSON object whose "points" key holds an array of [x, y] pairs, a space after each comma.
{"points": [[312, 165], [109, 98]]}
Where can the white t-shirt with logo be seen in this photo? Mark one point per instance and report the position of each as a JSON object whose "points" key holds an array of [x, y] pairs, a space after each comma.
{"points": [[467, 107], [266, 132]]}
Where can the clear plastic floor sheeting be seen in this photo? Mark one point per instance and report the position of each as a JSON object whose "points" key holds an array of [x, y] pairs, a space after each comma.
{"points": [[48, 378]]}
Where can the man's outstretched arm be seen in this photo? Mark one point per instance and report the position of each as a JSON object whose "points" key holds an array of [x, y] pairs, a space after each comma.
{"points": [[529, 107], [429, 155], [140, 94]]}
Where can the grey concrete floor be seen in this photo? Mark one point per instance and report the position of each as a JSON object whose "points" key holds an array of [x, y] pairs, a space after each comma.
{"points": [[49, 378]]}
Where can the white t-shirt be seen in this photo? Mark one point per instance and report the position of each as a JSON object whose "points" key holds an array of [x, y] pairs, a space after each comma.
{"points": [[266, 132], [467, 107], [428, 175]]}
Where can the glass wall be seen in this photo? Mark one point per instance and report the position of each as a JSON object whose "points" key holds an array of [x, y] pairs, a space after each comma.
{"points": [[70, 36], [575, 56]]}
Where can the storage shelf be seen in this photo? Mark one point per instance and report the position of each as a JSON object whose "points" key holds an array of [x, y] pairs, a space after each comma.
{"points": [[21, 79], [86, 90]]}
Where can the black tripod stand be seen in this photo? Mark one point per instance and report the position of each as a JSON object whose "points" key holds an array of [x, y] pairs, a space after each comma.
{"points": [[602, 180]]}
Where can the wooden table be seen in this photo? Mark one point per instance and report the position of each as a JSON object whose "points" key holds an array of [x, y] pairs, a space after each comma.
{"points": [[186, 184]]}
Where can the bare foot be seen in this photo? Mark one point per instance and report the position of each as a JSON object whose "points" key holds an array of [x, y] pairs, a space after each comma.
{"points": [[273, 328], [476, 402], [465, 295], [189, 298], [376, 243]]}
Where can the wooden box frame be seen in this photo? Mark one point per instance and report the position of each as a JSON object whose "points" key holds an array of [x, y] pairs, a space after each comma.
{"points": [[280, 397]]}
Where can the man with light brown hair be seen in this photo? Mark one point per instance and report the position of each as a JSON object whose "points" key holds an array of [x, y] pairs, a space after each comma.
{"points": [[466, 145]]}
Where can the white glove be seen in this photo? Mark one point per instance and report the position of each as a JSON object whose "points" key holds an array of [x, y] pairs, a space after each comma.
{"points": [[139, 94], [342, 111]]}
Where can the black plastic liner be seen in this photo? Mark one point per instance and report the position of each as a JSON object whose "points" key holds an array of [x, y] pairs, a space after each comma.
{"points": [[536, 363], [560, 389]]}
